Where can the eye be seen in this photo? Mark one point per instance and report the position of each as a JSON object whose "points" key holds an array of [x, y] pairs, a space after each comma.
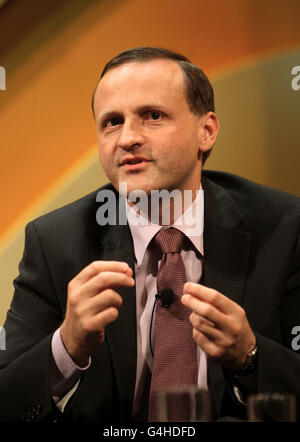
{"points": [[154, 115], [112, 122]]}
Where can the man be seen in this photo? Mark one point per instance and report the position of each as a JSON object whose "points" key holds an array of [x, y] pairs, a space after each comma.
{"points": [[78, 329]]}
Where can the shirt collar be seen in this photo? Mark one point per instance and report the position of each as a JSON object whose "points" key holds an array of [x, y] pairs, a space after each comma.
{"points": [[191, 223]]}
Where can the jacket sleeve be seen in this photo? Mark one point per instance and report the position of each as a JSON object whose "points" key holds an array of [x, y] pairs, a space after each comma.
{"points": [[278, 356], [279, 359], [33, 317]]}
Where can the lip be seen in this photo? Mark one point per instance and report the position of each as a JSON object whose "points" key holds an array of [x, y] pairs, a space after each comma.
{"points": [[127, 165]]}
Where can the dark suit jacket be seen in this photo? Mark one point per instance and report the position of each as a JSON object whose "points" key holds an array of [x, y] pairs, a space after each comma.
{"points": [[252, 254]]}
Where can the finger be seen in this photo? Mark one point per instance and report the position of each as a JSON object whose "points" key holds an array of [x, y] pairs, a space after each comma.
{"points": [[206, 310], [206, 344], [97, 267], [206, 327], [106, 280], [103, 318], [212, 296], [201, 319], [104, 300]]}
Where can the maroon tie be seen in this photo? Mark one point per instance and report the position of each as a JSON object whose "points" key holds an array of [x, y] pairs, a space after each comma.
{"points": [[174, 349]]}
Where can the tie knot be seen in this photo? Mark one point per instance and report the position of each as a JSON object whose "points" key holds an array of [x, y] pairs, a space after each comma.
{"points": [[169, 240]]}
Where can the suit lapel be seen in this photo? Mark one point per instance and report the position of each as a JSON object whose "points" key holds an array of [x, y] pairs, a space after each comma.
{"points": [[114, 243], [226, 253]]}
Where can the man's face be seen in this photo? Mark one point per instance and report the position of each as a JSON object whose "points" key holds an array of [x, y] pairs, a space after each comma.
{"points": [[147, 135]]}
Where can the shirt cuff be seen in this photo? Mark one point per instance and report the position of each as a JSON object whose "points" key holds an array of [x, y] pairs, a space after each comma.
{"points": [[63, 360], [64, 373]]}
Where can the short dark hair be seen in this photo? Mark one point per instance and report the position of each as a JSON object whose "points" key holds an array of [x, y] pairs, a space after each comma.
{"points": [[199, 91]]}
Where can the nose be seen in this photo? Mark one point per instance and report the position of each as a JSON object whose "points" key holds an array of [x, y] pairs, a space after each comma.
{"points": [[131, 135]]}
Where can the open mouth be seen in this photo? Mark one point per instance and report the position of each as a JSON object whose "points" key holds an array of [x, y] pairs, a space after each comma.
{"points": [[134, 163]]}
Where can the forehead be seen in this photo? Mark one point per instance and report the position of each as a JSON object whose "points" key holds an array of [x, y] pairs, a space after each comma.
{"points": [[151, 80]]}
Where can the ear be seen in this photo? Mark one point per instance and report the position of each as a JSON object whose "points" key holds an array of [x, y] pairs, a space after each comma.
{"points": [[209, 129]]}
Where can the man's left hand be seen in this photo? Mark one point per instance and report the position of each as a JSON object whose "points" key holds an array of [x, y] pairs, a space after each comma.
{"points": [[220, 326]]}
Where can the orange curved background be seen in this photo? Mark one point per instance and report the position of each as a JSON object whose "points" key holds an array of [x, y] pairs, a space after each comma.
{"points": [[45, 121], [53, 52]]}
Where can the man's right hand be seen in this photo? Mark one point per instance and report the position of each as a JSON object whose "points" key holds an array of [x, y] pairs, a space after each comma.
{"points": [[92, 304]]}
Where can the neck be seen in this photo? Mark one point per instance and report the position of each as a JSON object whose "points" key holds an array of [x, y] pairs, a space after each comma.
{"points": [[163, 207]]}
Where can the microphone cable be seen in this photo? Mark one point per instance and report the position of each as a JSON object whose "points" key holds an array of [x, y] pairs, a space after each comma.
{"points": [[167, 297]]}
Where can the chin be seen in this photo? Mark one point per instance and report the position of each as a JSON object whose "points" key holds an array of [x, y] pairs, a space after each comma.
{"points": [[138, 190], [136, 186]]}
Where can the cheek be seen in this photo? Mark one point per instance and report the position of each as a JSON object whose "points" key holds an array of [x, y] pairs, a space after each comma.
{"points": [[167, 148], [178, 151], [102, 157], [106, 160]]}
